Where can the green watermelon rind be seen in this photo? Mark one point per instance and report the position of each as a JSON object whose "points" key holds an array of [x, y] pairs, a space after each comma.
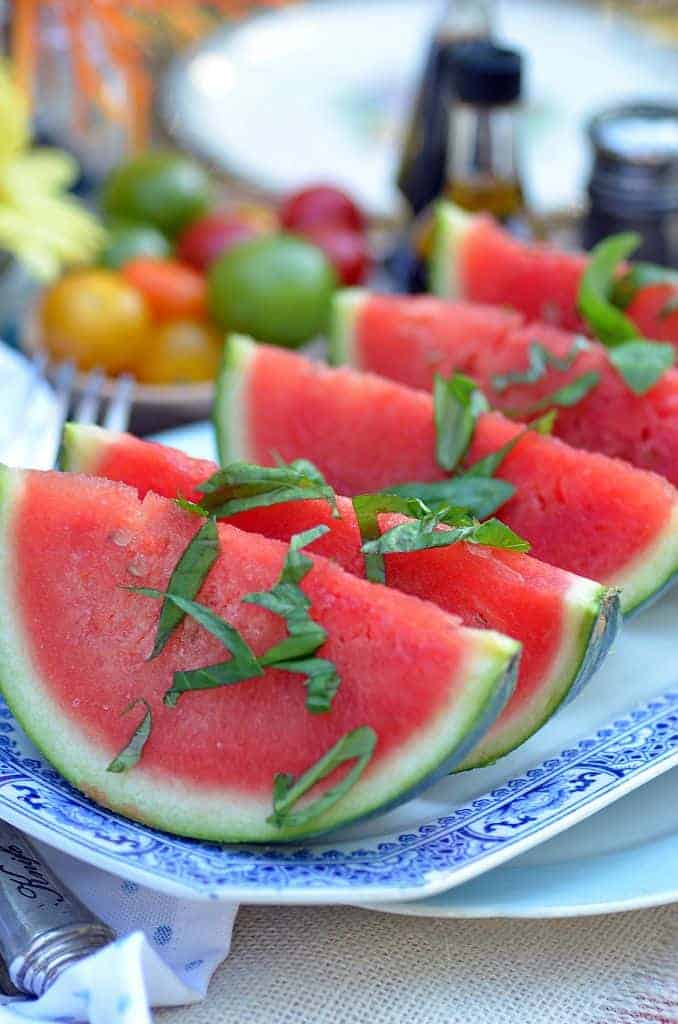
{"points": [[342, 348], [450, 227], [229, 412], [83, 446], [489, 675], [653, 571], [592, 619]]}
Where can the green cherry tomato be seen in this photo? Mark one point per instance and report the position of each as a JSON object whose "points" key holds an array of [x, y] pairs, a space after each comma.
{"points": [[129, 241], [159, 188], [276, 288]]}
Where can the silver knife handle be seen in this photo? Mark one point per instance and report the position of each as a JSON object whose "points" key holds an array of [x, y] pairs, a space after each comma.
{"points": [[44, 928]]}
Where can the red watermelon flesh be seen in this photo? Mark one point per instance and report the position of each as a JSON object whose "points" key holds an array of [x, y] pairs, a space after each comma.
{"points": [[476, 258], [649, 313], [74, 644], [410, 338], [581, 511], [564, 623]]}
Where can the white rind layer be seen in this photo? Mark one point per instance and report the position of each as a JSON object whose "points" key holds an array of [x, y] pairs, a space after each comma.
{"points": [[591, 619], [230, 413], [346, 308], [652, 570], [450, 229], [230, 815]]}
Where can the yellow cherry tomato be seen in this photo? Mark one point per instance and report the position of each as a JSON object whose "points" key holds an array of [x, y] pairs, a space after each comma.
{"points": [[180, 352], [95, 318]]}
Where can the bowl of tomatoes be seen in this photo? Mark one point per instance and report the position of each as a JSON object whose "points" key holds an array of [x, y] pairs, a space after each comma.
{"points": [[178, 272]]}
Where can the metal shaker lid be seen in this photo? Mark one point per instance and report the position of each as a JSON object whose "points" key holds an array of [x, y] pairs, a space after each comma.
{"points": [[636, 157]]}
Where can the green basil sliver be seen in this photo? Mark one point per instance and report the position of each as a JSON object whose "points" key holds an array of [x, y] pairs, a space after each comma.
{"points": [[480, 495], [640, 275], [367, 508], [186, 580], [322, 681], [225, 673], [357, 744], [424, 533], [605, 320], [131, 752], [242, 486], [641, 363], [457, 404], [567, 396], [540, 359]]}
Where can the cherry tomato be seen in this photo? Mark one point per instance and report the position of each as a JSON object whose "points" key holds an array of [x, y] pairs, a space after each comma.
{"points": [[206, 238], [180, 352], [171, 289], [95, 318], [347, 250], [320, 204]]}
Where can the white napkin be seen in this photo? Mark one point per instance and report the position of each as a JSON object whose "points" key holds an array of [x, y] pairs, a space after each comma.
{"points": [[166, 952]]}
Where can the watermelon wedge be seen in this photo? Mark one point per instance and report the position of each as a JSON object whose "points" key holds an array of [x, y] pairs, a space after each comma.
{"points": [[475, 258], [410, 338], [74, 649], [565, 623], [581, 511]]}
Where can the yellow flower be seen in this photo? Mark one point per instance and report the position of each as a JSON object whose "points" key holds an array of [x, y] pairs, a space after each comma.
{"points": [[39, 224]]}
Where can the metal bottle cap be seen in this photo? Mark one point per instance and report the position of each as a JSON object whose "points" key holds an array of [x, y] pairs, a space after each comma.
{"points": [[44, 928]]}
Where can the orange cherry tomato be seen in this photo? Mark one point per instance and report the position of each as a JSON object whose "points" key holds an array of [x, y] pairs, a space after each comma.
{"points": [[171, 289], [95, 318], [180, 352]]}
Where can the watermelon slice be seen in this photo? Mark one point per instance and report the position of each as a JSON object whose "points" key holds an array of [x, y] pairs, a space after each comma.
{"points": [[74, 647], [581, 511], [410, 338], [564, 623], [475, 258]]}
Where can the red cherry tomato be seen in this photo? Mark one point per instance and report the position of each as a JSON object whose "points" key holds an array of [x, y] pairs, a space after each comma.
{"points": [[347, 251], [204, 240], [171, 289], [320, 204]]}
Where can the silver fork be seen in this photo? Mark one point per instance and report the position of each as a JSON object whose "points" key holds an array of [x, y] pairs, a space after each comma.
{"points": [[32, 435], [44, 928]]}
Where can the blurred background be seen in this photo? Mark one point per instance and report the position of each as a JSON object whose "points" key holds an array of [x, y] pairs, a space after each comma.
{"points": [[142, 142]]}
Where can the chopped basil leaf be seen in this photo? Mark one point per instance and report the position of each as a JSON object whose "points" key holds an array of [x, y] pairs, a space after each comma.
{"points": [[322, 681], [480, 495], [489, 465], [540, 359], [242, 486], [287, 599], [230, 637], [423, 534], [669, 307], [186, 580], [641, 363], [457, 404], [367, 508], [131, 752], [359, 743], [606, 321], [191, 506], [639, 276], [544, 424], [567, 396], [225, 673]]}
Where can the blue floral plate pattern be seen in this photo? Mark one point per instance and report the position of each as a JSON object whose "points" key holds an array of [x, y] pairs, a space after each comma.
{"points": [[436, 855]]}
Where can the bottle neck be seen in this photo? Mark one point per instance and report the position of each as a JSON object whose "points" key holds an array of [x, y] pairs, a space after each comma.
{"points": [[482, 160]]}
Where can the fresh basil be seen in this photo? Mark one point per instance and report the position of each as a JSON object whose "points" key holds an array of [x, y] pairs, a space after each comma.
{"points": [[367, 508], [225, 673], [480, 495], [186, 580], [606, 321], [242, 486], [131, 752], [639, 276], [424, 533], [567, 396], [544, 424], [641, 363], [357, 744], [287, 599], [540, 359], [457, 404]]}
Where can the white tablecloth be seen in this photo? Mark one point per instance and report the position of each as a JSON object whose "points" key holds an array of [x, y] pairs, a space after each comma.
{"points": [[325, 965]]}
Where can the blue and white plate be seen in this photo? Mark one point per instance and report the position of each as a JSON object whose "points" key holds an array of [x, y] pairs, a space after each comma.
{"points": [[619, 734]]}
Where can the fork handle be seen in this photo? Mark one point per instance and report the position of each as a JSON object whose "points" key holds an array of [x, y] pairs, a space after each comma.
{"points": [[44, 928]]}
